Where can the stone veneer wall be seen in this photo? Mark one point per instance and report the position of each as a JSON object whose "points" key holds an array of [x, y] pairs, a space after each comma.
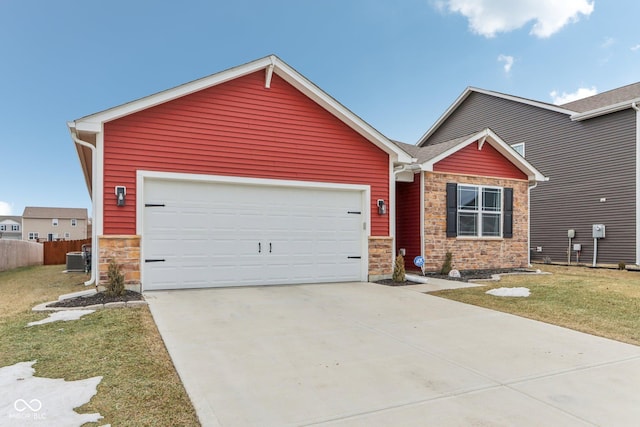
{"points": [[473, 253], [380, 257], [125, 250]]}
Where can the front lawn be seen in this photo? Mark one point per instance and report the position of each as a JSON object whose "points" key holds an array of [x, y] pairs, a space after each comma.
{"points": [[140, 385], [597, 301]]}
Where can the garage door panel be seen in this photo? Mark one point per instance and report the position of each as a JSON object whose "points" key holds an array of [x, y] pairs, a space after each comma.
{"points": [[225, 234]]}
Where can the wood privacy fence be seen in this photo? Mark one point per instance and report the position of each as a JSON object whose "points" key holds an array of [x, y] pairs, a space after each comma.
{"points": [[56, 252]]}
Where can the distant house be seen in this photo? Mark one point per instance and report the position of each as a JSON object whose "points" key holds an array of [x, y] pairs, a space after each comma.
{"points": [[10, 227], [49, 224], [589, 148]]}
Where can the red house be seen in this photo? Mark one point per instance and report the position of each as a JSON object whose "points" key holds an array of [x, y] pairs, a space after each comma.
{"points": [[255, 176]]}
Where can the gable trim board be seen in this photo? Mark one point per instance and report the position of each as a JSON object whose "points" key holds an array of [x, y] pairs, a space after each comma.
{"points": [[482, 137]]}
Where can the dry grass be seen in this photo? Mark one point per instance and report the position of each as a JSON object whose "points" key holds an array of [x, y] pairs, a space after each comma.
{"points": [[597, 301], [140, 386]]}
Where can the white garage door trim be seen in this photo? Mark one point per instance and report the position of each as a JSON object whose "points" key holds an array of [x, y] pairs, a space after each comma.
{"points": [[142, 176]]}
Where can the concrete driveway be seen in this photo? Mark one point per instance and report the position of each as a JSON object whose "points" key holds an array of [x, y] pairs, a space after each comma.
{"points": [[361, 354]]}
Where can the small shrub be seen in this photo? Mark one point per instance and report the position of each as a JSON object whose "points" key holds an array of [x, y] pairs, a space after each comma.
{"points": [[622, 265], [115, 282], [447, 264], [546, 260], [398, 269]]}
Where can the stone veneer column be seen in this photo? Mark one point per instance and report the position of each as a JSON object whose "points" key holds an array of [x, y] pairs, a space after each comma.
{"points": [[380, 257], [125, 250]]}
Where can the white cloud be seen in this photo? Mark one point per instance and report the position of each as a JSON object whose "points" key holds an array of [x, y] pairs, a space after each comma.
{"points": [[488, 17], [636, 47], [565, 97], [508, 62], [5, 208]]}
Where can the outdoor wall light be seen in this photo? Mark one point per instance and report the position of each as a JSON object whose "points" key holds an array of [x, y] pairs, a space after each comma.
{"points": [[121, 192], [382, 208]]}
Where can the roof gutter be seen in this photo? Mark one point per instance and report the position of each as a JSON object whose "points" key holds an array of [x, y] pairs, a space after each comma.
{"points": [[94, 237], [578, 117]]}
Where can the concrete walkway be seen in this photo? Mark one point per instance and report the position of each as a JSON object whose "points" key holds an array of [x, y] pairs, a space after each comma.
{"points": [[361, 354]]}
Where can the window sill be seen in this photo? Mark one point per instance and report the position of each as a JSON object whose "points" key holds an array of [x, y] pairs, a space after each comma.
{"points": [[488, 238]]}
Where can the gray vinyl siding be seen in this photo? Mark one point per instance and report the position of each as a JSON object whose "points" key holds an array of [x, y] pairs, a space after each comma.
{"points": [[585, 161]]}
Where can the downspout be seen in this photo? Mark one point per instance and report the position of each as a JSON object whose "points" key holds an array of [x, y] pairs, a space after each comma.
{"points": [[634, 105], [94, 238]]}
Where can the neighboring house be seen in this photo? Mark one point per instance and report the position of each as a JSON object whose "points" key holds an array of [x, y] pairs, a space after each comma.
{"points": [[589, 148], [49, 224], [255, 176], [10, 227]]}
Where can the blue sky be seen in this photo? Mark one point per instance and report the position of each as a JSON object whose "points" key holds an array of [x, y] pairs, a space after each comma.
{"points": [[397, 64]]}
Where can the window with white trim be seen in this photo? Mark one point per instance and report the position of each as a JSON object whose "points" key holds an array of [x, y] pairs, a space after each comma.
{"points": [[519, 148], [33, 236], [15, 227], [479, 211], [67, 235], [3, 227], [54, 222], [74, 222]]}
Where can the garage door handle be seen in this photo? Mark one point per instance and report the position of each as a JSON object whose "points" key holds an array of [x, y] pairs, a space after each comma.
{"points": [[269, 247], [259, 247], [155, 260]]}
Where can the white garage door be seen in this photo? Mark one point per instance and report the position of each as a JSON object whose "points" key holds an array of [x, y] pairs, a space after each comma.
{"points": [[202, 234]]}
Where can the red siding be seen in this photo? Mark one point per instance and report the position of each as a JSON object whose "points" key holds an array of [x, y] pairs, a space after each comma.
{"points": [[239, 128], [485, 162], [408, 219]]}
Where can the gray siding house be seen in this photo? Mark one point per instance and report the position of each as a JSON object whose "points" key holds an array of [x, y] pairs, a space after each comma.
{"points": [[588, 148]]}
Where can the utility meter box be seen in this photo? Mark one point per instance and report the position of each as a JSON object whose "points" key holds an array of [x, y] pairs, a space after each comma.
{"points": [[598, 231], [571, 233], [577, 247]]}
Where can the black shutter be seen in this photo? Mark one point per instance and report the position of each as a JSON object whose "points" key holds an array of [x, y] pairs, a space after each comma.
{"points": [[452, 209], [508, 213]]}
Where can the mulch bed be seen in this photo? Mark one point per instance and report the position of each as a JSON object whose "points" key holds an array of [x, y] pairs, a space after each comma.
{"points": [[465, 275], [99, 298]]}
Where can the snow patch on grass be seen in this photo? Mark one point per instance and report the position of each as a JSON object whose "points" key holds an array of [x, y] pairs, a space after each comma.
{"points": [[509, 292], [62, 316], [26, 400]]}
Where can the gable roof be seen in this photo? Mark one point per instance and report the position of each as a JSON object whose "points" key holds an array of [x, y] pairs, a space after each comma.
{"points": [[469, 90], [429, 155], [37, 212], [11, 218], [92, 124], [604, 103]]}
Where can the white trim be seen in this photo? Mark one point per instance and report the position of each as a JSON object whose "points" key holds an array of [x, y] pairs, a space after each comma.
{"points": [[470, 90], [93, 123], [392, 210], [142, 175], [99, 190], [496, 142], [607, 109]]}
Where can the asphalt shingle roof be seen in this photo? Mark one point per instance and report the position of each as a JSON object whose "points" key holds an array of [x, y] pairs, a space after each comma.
{"points": [[604, 99], [428, 152], [42, 212]]}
